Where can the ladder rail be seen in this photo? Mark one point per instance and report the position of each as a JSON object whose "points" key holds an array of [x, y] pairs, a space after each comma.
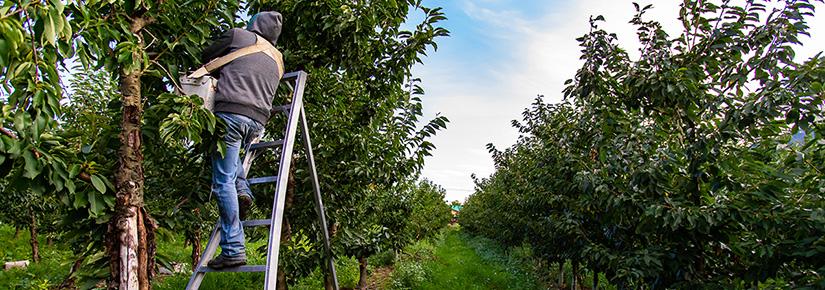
{"points": [[296, 117], [277, 218], [319, 203], [208, 252]]}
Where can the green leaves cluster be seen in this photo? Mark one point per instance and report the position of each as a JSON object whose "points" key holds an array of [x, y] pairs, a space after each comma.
{"points": [[697, 165], [364, 108]]}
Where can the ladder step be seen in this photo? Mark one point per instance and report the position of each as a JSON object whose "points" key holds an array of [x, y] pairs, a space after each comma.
{"points": [[265, 145], [245, 268], [260, 180], [257, 223]]}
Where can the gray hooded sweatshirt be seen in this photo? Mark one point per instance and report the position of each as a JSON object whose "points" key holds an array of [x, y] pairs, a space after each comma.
{"points": [[246, 86]]}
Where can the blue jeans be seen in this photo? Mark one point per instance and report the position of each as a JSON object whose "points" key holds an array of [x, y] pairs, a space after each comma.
{"points": [[228, 179]]}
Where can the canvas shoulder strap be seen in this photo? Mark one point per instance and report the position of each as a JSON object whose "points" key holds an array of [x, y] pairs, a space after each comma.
{"points": [[261, 45]]}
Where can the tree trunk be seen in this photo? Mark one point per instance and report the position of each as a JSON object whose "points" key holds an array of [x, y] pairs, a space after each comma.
{"points": [[328, 283], [362, 266], [561, 274], [33, 237], [69, 281], [195, 240], [130, 239], [575, 279], [16, 232], [282, 279], [595, 280]]}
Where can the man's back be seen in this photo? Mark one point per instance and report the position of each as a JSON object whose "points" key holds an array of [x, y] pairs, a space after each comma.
{"points": [[247, 85]]}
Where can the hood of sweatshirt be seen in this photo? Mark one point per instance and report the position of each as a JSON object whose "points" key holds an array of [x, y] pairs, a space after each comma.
{"points": [[266, 24]]}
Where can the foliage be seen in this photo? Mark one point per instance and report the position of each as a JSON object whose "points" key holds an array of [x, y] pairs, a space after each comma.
{"points": [[44, 275], [362, 101], [409, 270], [364, 109], [429, 213], [407, 275], [381, 259], [677, 169]]}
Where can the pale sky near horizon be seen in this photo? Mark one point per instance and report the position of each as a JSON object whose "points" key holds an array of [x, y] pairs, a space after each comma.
{"points": [[501, 55]]}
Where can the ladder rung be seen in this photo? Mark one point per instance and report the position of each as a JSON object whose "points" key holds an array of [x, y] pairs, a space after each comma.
{"points": [[264, 145], [290, 75], [266, 179], [245, 268], [257, 223]]}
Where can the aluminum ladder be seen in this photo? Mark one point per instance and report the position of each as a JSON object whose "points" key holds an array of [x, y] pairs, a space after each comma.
{"points": [[296, 117]]}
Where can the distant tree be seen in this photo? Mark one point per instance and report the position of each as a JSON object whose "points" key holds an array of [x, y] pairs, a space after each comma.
{"points": [[674, 170]]}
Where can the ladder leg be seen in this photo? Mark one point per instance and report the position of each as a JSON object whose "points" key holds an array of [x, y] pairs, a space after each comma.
{"points": [[319, 204], [249, 156], [274, 246], [208, 253]]}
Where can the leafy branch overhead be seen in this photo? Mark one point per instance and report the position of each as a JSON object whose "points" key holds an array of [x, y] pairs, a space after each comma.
{"points": [[89, 119]]}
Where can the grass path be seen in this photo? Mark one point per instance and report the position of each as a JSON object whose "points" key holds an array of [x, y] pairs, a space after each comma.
{"points": [[454, 261], [457, 265]]}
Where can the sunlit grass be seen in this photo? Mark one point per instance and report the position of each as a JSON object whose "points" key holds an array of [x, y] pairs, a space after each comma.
{"points": [[457, 265], [52, 269]]}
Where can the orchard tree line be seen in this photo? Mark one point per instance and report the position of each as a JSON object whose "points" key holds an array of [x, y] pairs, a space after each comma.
{"points": [[697, 165], [97, 153]]}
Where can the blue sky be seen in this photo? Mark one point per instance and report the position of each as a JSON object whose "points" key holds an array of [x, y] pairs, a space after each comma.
{"points": [[503, 53]]}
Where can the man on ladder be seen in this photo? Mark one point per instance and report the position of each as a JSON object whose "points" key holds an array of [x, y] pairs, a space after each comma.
{"points": [[244, 96]]}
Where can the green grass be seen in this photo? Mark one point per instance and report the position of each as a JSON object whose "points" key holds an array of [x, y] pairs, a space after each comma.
{"points": [[457, 265], [171, 246], [452, 261], [52, 269]]}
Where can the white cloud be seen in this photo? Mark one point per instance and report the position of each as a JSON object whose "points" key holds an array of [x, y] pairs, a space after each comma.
{"points": [[527, 57]]}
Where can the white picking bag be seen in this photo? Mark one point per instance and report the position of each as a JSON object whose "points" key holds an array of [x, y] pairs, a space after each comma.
{"points": [[202, 84]]}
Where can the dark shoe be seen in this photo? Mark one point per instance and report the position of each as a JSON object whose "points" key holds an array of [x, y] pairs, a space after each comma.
{"points": [[244, 205], [222, 261]]}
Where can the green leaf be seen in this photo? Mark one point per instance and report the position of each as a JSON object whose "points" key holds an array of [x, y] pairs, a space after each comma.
{"points": [[70, 186], [74, 171], [20, 123], [80, 200], [50, 26], [98, 184], [32, 166], [96, 204], [222, 148], [58, 5]]}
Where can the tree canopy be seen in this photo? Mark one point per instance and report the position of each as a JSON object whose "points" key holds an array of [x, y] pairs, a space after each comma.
{"points": [[676, 169], [124, 155]]}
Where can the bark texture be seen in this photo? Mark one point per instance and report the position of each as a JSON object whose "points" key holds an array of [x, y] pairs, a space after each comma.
{"points": [[195, 240], [71, 279], [362, 267], [33, 236], [130, 242]]}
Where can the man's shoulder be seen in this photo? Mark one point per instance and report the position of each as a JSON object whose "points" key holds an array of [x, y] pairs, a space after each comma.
{"points": [[242, 37], [238, 30]]}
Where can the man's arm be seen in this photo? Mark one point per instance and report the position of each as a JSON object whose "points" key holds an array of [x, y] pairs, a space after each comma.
{"points": [[218, 48]]}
